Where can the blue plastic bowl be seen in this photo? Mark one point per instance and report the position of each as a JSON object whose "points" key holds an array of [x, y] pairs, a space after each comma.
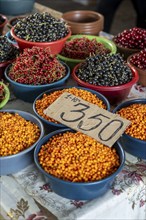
{"points": [[78, 191], [132, 145], [28, 93], [51, 126], [14, 163], [10, 39]]}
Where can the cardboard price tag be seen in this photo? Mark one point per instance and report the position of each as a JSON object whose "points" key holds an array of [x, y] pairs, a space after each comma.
{"points": [[87, 118]]}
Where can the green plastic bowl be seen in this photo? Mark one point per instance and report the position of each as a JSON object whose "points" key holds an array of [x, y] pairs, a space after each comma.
{"points": [[7, 95], [73, 62]]}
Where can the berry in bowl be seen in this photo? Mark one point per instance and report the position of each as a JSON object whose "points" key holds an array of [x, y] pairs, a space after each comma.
{"points": [[134, 138], [107, 74], [130, 41], [8, 53], [48, 97], [77, 166], [138, 61], [42, 30], [4, 94], [20, 132], [78, 47], [34, 71], [13, 21]]}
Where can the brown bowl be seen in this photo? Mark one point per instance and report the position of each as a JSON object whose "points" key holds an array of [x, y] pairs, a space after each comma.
{"points": [[3, 23], [141, 72], [84, 21]]}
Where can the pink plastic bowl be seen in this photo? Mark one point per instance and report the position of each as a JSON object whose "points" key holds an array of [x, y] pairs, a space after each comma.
{"points": [[114, 94], [55, 46]]}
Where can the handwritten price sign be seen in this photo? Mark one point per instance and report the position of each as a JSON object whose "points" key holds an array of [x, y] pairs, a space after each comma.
{"points": [[87, 118]]}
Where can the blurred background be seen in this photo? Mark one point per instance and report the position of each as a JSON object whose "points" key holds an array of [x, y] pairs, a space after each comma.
{"points": [[125, 16]]}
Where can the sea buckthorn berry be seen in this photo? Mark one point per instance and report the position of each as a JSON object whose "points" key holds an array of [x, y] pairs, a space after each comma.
{"points": [[77, 157], [48, 99], [136, 113], [16, 133]]}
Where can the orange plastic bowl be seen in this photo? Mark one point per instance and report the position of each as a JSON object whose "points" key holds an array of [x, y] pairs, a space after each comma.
{"points": [[114, 94], [54, 46]]}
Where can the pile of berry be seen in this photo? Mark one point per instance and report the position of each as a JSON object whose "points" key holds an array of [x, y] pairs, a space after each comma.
{"points": [[41, 28], [139, 59], [80, 48], [2, 92], [7, 50], [35, 66], [104, 70], [134, 38]]}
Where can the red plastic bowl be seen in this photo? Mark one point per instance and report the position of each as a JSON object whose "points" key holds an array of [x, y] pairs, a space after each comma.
{"points": [[114, 94], [55, 46]]}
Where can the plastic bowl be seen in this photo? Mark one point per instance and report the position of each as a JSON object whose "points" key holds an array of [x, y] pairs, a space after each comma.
{"points": [[2, 24], [73, 62], [28, 93], [7, 95], [84, 21], [114, 94], [74, 190], [51, 126], [11, 39], [132, 145], [141, 72], [14, 163], [55, 46]]}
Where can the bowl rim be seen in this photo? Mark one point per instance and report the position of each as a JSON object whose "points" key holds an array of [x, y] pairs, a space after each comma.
{"points": [[36, 86], [100, 96], [7, 62], [8, 35], [126, 104], [5, 22], [106, 88], [131, 64], [46, 138], [7, 95], [20, 40], [33, 145], [100, 16], [99, 40]]}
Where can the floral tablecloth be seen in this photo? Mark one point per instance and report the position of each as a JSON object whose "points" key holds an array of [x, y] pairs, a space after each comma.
{"points": [[26, 196]]}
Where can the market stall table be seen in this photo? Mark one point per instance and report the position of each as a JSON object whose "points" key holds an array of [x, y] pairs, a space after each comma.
{"points": [[25, 195]]}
